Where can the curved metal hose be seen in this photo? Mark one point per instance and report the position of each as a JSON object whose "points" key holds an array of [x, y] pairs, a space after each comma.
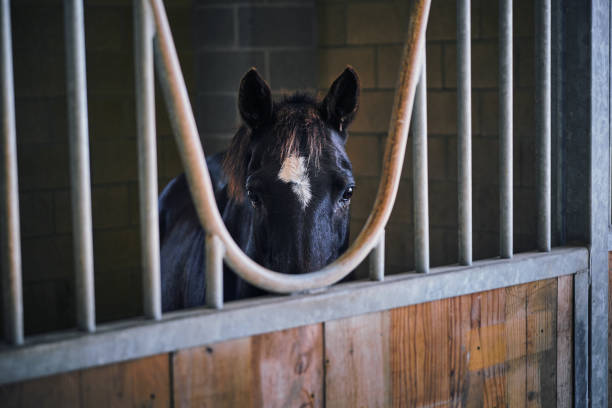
{"points": [[192, 156]]}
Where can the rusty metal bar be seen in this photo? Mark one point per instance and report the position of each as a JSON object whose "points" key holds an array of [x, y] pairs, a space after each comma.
{"points": [[543, 121], [214, 272], [505, 128], [147, 158], [79, 164], [419, 171], [464, 131], [10, 241], [377, 260], [190, 149]]}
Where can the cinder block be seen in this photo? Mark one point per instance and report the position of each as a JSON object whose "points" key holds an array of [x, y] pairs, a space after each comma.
{"points": [[435, 67], [331, 24], [403, 208], [442, 112], [525, 64], [62, 211], [213, 27], [489, 20], [524, 18], [293, 70], [524, 242], [486, 245], [442, 23], [39, 74], [374, 112], [437, 158], [43, 165], [525, 211], [113, 161], [374, 23], [364, 154], [36, 213], [527, 164], [110, 206], [485, 208], [51, 119], [276, 26], [399, 248], [488, 106], [485, 160], [443, 204], [49, 306], [332, 61], [363, 197], [47, 17], [110, 72], [109, 28], [388, 65], [118, 295], [183, 26], [223, 70], [116, 249], [47, 258], [524, 112], [216, 113], [112, 117]]}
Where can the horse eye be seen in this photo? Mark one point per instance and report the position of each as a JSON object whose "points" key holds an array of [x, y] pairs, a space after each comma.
{"points": [[348, 193], [254, 198]]}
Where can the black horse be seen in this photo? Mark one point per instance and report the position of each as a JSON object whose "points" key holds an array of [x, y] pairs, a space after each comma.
{"points": [[283, 188]]}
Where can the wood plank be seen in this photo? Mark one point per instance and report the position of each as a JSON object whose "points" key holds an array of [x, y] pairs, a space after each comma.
{"points": [[541, 343], [459, 335], [516, 346], [60, 390], [277, 369], [357, 361], [138, 383], [419, 354], [565, 345]]}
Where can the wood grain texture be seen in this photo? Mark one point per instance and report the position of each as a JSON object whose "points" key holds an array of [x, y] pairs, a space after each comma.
{"points": [[138, 383], [565, 349], [277, 369], [356, 361], [516, 346]]}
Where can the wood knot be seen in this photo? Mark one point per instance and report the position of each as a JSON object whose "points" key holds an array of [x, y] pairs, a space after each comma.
{"points": [[302, 363]]}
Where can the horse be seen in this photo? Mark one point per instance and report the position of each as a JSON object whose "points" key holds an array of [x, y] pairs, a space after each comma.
{"points": [[283, 187]]}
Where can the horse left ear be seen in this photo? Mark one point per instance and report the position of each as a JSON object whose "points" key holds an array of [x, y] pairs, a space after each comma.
{"points": [[342, 101], [254, 99]]}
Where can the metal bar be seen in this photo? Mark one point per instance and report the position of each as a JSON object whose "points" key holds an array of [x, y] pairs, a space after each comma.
{"points": [[377, 260], [190, 150], [147, 158], [10, 249], [598, 144], [543, 121], [79, 164], [464, 131], [214, 272], [419, 171], [50, 354], [505, 127]]}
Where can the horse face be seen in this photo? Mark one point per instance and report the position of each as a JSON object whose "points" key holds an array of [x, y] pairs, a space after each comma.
{"points": [[296, 176]]}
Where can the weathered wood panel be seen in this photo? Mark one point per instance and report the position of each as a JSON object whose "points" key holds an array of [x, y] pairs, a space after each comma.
{"points": [[506, 347], [497, 348], [280, 369], [138, 383]]}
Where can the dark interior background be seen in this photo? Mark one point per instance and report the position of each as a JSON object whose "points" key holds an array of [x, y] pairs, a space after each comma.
{"points": [[295, 45]]}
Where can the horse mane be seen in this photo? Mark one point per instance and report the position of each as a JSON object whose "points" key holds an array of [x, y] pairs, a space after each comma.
{"points": [[292, 118]]}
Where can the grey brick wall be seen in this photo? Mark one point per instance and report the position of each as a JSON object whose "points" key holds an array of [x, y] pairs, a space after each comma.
{"points": [[295, 44], [369, 35]]}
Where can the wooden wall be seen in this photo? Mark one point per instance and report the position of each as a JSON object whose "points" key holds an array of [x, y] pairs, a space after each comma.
{"points": [[506, 347]]}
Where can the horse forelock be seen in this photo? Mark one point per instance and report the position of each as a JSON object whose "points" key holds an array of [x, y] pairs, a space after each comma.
{"points": [[298, 131]]}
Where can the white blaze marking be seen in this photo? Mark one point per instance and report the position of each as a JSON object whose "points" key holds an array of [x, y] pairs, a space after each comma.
{"points": [[293, 171]]}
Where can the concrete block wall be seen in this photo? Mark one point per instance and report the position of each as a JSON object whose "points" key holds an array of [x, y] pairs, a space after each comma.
{"points": [[43, 156], [369, 35], [276, 37]]}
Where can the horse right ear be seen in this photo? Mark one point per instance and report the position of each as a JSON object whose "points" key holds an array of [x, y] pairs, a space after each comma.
{"points": [[254, 100], [342, 101]]}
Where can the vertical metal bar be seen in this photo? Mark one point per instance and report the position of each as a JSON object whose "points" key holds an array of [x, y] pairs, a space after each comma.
{"points": [[377, 260], [147, 157], [10, 249], [79, 163], [464, 131], [505, 127], [419, 166], [214, 272], [543, 121]]}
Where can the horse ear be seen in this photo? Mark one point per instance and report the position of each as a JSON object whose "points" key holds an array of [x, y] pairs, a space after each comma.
{"points": [[254, 100], [342, 101]]}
